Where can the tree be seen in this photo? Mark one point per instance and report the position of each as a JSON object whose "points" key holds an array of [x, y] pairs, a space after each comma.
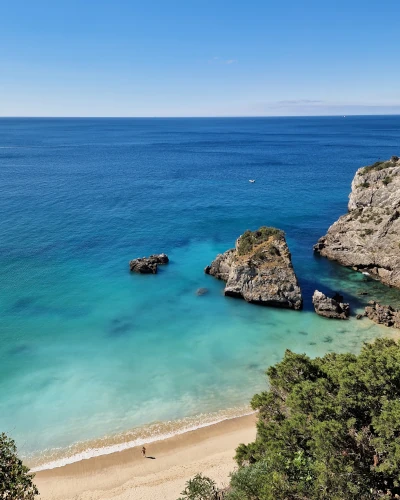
{"points": [[199, 488], [328, 428], [16, 483]]}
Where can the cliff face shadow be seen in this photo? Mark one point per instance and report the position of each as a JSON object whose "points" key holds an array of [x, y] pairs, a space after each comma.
{"points": [[151, 458]]}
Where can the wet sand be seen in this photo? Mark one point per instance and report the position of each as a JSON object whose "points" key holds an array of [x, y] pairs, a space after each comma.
{"points": [[127, 475]]}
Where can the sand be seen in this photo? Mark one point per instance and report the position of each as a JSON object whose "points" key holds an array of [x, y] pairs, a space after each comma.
{"points": [[127, 475]]}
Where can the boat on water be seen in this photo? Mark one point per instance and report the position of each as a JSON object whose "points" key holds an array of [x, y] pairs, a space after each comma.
{"points": [[252, 180]]}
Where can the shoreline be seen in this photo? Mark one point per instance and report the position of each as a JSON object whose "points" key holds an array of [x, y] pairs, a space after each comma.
{"points": [[151, 433], [125, 475]]}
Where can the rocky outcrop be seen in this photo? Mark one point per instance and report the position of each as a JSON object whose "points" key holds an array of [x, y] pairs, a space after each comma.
{"points": [[330, 308], [148, 265], [367, 238], [259, 269], [383, 315]]}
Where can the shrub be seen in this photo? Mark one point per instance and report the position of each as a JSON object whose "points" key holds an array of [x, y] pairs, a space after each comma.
{"points": [[250, 239], [199, 488], [16, 483], [364, 185], [387, 180], [328, 428], [377, 166]]}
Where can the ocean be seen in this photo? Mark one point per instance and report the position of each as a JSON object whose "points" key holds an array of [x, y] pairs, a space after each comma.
{"points": [[93, 358]]}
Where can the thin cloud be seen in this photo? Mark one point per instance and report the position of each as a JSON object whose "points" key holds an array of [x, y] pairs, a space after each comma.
{"points": [[219, 60]]}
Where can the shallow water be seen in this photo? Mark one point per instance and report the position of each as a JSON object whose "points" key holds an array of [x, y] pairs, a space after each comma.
{"points": [[90, 354]]}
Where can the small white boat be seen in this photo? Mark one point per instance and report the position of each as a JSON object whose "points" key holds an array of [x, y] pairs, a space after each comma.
{"points": [[252, 180]]}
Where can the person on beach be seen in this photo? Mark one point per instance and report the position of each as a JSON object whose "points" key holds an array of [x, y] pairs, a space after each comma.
{"points": [[144, 452]]}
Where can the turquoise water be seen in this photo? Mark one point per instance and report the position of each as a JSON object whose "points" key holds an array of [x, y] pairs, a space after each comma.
{"points": [[92, 356]]}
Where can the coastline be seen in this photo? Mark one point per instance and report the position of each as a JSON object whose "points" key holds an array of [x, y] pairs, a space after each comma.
{"points": [[125, 475]]}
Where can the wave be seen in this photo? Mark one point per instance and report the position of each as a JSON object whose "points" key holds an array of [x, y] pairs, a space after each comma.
{"points": [[158, 431]]}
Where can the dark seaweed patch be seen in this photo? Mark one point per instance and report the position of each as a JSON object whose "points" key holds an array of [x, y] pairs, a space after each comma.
{"points": [[119, 327], [22, 304], [19, 349]]}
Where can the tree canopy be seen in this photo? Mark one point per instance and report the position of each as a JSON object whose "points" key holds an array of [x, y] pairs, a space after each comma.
{"points": [[328, 428], [16, 482]]}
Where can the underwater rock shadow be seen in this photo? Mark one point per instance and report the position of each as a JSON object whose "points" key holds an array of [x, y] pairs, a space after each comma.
{"points": [[120, 327]]}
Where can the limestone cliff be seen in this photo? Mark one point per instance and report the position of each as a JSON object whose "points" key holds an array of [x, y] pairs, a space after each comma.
{"points": [[259, 269], [367, 238]]}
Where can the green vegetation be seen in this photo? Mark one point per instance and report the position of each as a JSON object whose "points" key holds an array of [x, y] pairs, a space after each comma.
{"points": [[364, 185], [199, 488], [387, 180], [378, 165], [250, 239], [328, 428], [16, 483], [368, 231]]}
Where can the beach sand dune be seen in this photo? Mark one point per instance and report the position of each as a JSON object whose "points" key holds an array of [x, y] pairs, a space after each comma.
{"points": [[126, 475]]}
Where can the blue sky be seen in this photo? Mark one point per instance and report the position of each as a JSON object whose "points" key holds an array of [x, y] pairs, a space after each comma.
{"points": [[199, 58]]}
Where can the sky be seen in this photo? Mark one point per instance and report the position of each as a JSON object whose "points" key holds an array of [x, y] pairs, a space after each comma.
{"points": [[199, 58]]}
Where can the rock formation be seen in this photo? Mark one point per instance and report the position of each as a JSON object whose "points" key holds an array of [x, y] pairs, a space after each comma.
{"points": [[367, 238], [259, 269], [148, 265], [384, 315], [330, 308]]}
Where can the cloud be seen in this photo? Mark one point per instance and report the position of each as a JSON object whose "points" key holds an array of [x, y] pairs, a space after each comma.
{"points": [[230, 61], [315, 107]]}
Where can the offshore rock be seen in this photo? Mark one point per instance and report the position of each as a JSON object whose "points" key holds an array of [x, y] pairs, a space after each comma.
{"points": [[148, 265], [330, 308], [259, 269], [383, 315], [367, 238]]}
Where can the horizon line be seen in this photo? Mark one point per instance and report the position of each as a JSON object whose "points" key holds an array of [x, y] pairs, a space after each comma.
{"points": [[192, 116]]}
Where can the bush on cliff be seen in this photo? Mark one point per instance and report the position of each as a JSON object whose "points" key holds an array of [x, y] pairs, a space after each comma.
{"points": [[16, 483], [250, 239], [328, 428]]}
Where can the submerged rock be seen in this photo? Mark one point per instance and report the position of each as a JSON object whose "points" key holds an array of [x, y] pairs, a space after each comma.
{"points": [[148, 265], [201, 291], [383, 315], [259, 269], [330, 307], [367, 237]]}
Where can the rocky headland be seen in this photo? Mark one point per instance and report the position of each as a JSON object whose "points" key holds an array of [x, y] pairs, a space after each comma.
{"points": [[148, 265], [367, 238], [330, 307], [259, 269]]}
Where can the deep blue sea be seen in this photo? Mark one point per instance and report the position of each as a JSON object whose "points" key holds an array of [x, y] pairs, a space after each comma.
{"points": [[93, 356]]}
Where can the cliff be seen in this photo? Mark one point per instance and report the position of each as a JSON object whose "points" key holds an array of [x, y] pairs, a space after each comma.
{"points": [[259, 269], [367, 238]]}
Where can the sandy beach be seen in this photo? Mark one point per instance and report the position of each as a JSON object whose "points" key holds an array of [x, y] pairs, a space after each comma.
{"points": [[127, 475]]}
